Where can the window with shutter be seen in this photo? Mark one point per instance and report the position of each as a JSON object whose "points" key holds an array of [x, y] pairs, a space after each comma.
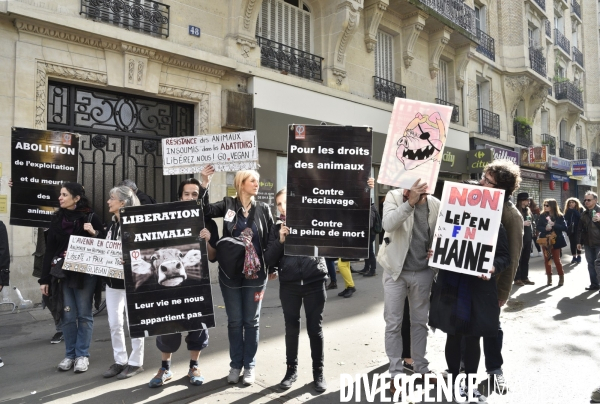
{"points": [[384, 56], [442, 83], [286, 22]]}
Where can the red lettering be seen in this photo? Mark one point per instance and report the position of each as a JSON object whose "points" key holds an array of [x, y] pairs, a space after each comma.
{"points": [[470, 233], [474, 197], [491, 199], [455, 195]]}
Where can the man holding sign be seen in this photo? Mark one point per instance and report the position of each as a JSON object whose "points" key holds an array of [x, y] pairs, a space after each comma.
{"points": [[464, 297], [409, 217]]}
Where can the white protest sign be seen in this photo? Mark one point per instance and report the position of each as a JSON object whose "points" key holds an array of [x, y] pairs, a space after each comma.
{"points": [[467, 226], [415, 144], [94, 256], [225, 151]]}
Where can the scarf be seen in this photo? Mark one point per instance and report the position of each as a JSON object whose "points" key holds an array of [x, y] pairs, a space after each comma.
{"points": [[456, 290], [251, 260]]}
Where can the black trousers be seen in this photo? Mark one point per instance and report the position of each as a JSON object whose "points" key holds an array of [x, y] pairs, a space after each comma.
{"points": [[371, 262], [313, 296], [405, 331], [472, 354], [523, 268], [573, 245]]}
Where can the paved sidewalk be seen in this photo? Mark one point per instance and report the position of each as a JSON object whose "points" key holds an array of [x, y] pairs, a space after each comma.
{"points": [[550, 349]]}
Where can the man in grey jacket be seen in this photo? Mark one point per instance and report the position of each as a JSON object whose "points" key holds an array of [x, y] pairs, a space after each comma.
{"points": [[409, 218]]}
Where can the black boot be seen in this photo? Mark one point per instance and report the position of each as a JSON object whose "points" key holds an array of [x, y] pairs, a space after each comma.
{"points": [[319, 380], [290, 377]]}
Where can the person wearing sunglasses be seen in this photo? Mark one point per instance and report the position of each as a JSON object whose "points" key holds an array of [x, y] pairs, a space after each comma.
{"points": [[552, 221], [588, 235]]}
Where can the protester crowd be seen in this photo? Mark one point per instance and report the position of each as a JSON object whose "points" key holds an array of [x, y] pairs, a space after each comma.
{"points": [[416, 296]]}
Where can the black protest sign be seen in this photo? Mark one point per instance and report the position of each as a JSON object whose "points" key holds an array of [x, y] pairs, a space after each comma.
{"points": [[41, 160], [166, 269], [328, 199]]}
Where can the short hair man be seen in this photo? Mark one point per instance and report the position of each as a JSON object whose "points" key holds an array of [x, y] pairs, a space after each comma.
{"points": [[506, 175], [522, 276], [588, 234], [144, 198], [409, 217]]}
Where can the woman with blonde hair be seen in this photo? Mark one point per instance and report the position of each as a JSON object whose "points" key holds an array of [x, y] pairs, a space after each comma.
{"points": [[243, 293], [552, 221], [572, 215]]}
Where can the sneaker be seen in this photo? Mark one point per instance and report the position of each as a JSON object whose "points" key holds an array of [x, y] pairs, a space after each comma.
{"points": [[66, 364], [319, 380], [234, 375], [408, 366], [540, 254], [574, 260], [130, 371], [248, 378], [528, 282], [579, 259], [81, 364], [532, 255], [461, 397], [195, 376], [332, 285], [57, 338], [1, 363], [596, 395], [499, 384], [477, 397], [161, 378], [290, 377], [349, 292], [113, 370]]}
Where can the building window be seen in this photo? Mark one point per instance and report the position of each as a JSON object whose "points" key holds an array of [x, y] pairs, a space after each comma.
{"points": [[384, 56], [562, 131], [578, 137], [483, 94], [287, 22], [480, 18], [442, 81], [545, 122]]}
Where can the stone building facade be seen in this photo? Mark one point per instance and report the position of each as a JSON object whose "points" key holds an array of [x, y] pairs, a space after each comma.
{"points": [[126, 73]]}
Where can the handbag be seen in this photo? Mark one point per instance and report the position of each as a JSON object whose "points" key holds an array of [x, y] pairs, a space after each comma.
{"points": [[56, 267], [231, 252]]}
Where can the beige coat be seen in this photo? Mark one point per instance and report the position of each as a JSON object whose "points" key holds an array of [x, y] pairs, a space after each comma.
{"points": [[398, 219], [513, 223]]}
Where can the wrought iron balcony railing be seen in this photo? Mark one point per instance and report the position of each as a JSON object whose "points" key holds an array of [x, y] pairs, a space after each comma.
{"points": [[549, 89], [577, 56], [562, 41], [576, 8], [537, 61], [548, 28], [287, 59], [523, 135], [542, 4], [550, 141], [135, 15], [455, 110], [567, 150], [581, 153], [489, 123], [568, 91], [486, 45], [388, 91], [456, 11], [595, 159]]}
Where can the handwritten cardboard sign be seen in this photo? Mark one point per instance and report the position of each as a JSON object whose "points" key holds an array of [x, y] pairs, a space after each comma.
{"points": [[94, 256]]}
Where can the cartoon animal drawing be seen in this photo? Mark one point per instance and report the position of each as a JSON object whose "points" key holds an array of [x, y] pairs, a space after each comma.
{"points": [[167, 267], [422, 140]]}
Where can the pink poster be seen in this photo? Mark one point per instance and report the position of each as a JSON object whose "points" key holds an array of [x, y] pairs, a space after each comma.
{"points": [[415, 144]]}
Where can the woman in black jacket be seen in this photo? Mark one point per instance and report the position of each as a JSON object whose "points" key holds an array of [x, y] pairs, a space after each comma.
{"points": [[74, 217], [301, 282], [116, 302], [466, 306], [572, 216], [552, 220], [243, 293]]}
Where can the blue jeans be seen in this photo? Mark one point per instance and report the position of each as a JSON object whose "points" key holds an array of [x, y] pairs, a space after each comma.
{"points": [[77, 319], [331, 269], [243, 300], [591, 253]]}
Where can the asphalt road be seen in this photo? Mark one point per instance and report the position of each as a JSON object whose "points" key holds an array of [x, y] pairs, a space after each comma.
{"points": [[550, 350]]}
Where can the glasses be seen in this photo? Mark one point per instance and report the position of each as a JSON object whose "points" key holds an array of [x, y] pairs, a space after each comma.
{"points": [[487, 181], [546, 205], [588, 200]]}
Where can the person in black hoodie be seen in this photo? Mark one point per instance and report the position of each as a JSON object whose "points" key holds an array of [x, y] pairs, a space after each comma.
{"points": [[301, 282], [71, 293], [116, 302], [4, 262]]}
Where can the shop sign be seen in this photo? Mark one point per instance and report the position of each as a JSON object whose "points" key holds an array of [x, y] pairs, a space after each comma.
{"points": [[591, 179], [532, 175], [559, 163], [454, 160], [558, 177], [500, 153], [535, 157], [478, 159], [579, 168]]}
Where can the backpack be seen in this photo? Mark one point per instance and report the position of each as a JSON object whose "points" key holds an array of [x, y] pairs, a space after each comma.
{"points": [[377, 226]]}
